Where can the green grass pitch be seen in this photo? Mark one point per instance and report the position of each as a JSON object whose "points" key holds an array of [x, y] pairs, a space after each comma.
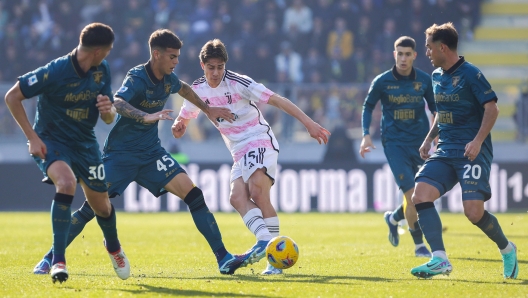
{"points": [[341, 255]]}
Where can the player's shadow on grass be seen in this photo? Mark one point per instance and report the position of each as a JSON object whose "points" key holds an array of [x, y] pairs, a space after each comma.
{"points": [[148, 289], [498, 260], [479, 234]]}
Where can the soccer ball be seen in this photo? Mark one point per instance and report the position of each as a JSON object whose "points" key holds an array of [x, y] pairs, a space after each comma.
{"points": [[282, 252]]}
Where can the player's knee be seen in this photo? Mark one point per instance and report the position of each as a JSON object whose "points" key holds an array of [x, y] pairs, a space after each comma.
{"points": [[237, 201], [417, 199], [473, 215], [65, 185]]}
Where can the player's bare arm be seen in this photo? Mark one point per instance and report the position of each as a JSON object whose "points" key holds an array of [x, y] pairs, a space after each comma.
{"points": [[125, 109], [426, 145], [213, 113], [106, 108], [315, 130], [491, 112], [366, 144], [13, 99], [179, 127]]}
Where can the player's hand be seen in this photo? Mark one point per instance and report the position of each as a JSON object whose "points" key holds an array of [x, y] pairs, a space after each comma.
{"points": [[472, 150], [366, 144], [178, 129], [318, 132], [216, 113], [104, 104], [37, 148], [154, 117], [425, 149]]}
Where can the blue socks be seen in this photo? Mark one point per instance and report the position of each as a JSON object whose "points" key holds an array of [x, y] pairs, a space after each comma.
{"points": [[417, 234], [205, 222], [398, 213], [60, 223], [79, 219], [491, 227], [108, 226], [431, 225]]}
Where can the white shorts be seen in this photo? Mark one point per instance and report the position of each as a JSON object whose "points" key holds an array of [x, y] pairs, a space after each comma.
{"points": [[257, 158]]}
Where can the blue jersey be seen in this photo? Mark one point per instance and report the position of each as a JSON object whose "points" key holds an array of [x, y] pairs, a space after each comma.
{"points": [[460, 95], [145, 92], [67, 96], [404, 120]]}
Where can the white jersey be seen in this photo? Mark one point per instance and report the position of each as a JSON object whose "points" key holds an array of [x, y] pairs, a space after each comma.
{"points": [[238, 93]]}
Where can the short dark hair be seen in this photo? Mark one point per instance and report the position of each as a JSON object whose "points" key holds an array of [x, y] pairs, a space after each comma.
{"points": [[213, 49], [96, 35], [445, 33], [405, 41], [162, 39]]}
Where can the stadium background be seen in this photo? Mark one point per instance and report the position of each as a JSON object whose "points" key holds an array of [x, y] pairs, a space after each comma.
{"points": [[322, 54]]}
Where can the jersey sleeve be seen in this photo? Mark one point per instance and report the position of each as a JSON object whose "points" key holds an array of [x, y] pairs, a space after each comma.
{"points": [[429, 96], [107, 88], [481, 88], [38, 81], [189, 110], [130, 88], [175, 83], [373, 96], [255, 91]]}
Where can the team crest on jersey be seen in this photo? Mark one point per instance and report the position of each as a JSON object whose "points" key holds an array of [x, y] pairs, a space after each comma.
{"points": [[417, 86], [455, 80], [97, 76], [167, 88], [229, 97]]}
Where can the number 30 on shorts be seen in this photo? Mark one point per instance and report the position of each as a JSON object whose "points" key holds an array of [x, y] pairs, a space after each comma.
{"points": [[472, 171], [97, 172], [160, 163]]}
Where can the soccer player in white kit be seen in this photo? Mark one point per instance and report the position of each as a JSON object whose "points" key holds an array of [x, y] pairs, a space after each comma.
{"points": [[249, 138]]}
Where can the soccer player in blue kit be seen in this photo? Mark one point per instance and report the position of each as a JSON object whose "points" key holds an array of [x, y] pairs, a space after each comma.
{"points": [[133, 151], [74, 90], [467, 110], [404, 125]]}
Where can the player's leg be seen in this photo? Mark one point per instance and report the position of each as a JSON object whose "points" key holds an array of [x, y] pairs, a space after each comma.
{"points": [[65, 184], [79, 219], [259, 185], [252, 217], [474, 180], [434, 179], [106, 219], [400, 165], [182, 186], [420, 249], [119, 172]]}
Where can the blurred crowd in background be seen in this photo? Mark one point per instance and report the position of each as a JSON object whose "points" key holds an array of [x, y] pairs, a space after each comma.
{"points": [[343, 43]]}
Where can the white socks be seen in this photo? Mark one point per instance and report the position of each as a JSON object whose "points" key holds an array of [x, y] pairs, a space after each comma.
{"points": [[440, 253], [273, 225], [507, 249], [255, 223]]}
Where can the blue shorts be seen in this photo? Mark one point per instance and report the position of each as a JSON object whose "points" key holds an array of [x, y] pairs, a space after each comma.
{"points": [[445, 168], [85, 163], [152, 170], [404, 161]]}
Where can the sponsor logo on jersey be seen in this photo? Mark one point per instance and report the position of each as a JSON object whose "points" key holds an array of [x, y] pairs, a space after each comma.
{"points": [[45, 76], [32, 80]]}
